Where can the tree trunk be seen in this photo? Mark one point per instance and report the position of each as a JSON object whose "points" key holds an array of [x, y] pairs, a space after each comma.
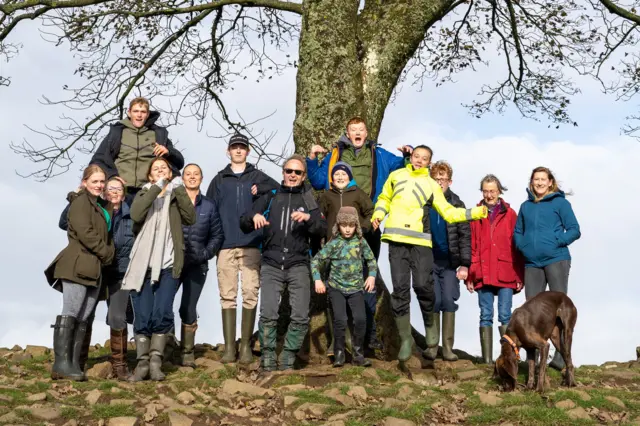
{"points": [[349, 64]]}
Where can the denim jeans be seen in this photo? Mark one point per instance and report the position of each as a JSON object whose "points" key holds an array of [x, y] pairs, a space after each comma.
{"points": [[446, 285], [193, 279], [486, 295], [153, 305]]}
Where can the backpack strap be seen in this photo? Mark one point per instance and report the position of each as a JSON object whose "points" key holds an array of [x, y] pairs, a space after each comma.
{"points": [[266, 212]]}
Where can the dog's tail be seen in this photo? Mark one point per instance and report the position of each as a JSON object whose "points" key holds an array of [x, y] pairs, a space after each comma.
{"points": [[566, 315]]}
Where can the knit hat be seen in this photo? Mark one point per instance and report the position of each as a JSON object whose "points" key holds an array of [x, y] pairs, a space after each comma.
{"points": [[341, 165], [347, 216]]}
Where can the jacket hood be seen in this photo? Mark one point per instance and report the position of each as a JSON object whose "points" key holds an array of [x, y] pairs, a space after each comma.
{"points": [[228, 171], [548, 197], [72, 195], [351, 186], [503, 203], [422, 171], [346, 142], [151, 120]]}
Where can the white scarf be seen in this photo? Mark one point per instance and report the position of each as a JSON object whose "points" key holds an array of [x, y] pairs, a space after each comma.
{"points": [[148, 238]]}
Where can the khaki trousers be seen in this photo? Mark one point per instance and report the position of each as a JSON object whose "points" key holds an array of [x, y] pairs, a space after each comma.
{"points": [[244, 261]]}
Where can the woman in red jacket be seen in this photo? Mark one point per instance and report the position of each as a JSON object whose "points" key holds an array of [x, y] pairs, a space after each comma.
{"points": [[496, 266]]}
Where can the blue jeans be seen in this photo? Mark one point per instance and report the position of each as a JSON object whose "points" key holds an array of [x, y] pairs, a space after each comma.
{"points": [[153, 305], [193, 279], [486, 295], [446, 285]]}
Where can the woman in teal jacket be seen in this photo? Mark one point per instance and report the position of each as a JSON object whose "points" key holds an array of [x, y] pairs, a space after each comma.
{"points": [[545, 228]]}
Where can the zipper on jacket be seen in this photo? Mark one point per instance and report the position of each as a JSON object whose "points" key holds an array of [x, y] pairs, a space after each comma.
{"points": [[341, 192], [286, 228], [135, 168]]}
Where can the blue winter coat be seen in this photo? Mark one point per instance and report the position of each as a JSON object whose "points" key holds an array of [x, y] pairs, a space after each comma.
{"points": [[203, 239], [384, 163], [545, 229]]}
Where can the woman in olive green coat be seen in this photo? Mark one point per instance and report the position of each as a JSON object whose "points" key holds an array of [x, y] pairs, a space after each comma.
{"points": [[77, 271], [159, 210]]}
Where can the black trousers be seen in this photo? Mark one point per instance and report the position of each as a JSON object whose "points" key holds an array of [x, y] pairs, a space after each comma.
{"points": [[339, 302], [411, 264]]}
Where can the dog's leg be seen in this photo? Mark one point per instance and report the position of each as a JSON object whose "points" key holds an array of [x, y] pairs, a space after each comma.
{"points": [[544, 354], [531, 361], [557, 342], [566, 354]]}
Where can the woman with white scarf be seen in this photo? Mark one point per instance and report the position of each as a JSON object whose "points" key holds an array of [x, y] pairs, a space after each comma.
{"points": [[158, 211]]}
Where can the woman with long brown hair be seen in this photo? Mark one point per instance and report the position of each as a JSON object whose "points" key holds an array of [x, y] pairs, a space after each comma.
{"points": [[77, 271], [158, 211], [545, 228]]}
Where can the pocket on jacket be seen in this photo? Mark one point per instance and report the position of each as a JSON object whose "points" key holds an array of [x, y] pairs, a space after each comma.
{"points": [[506, 271], [87, 266]]}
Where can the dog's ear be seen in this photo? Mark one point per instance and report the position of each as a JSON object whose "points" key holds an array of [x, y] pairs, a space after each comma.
{"points": [[497, 367], [512, 370]]}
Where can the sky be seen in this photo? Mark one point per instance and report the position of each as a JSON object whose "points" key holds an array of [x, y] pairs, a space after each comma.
{"points": [[593, 160]]}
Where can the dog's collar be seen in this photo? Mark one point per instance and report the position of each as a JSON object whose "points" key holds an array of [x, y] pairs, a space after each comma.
{"points": [[510, 341]]}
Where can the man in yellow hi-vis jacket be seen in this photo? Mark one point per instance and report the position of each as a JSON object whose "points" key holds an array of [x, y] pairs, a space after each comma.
{"points": [[406, 197]]}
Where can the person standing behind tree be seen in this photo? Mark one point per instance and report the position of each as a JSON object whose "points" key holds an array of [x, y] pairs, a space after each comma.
{"points": [[77, 271], [451, 261], [202, 242], [496, 266], [234, 189], [371, 166], [545, 228], [407, 196], [132, 143], [290, 218], [159, 211]]}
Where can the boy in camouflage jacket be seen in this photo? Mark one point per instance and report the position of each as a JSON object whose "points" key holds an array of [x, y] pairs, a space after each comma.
{"points": [[344, 256]]}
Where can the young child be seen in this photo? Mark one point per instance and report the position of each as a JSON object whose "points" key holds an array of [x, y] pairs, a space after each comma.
{"points": [[345, 192], [344, 255], [407, 196]]}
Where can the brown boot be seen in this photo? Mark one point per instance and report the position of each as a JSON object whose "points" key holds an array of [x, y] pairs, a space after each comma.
{"points": [[119, 354]]}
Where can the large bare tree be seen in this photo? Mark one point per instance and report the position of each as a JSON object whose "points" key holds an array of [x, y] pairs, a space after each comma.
{"points": [[352, 56]]}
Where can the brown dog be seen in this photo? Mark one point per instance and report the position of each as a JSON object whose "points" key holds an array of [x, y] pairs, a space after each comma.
{"points": [[549, 315]]}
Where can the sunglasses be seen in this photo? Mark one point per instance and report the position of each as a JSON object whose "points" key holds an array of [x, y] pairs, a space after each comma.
{"points": [[297, 172]]}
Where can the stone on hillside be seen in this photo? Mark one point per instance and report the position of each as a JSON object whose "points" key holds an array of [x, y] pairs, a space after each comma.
{"points": [[20, 357], [240, 412], [16, 348], [582, 394], [621, 374], [16, 370], [450, 386], [358, 392], [37, 350], [405, 392], [122, 402], [37, 397], [45, 413], [468, 375], [123, 421], [173, 406], [423, 379], [615, 400], [334, 393], [232, 387], [100, 371], [289, 400], [10, 417], [150, 413], [335, 423], [186, 398], [394, 403], [310, 410], [394, 421], [72, 422], [293, 388], [201, 395], [566, 404], [342, 416], [177, 419], [93, 397], [489, 399], [370, 373], [578, 413], [53, 394], [6, 398]]}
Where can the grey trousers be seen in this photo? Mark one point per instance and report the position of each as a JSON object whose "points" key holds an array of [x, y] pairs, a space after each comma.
{"points": [[555, 275], [78, 300], [272, 283]]}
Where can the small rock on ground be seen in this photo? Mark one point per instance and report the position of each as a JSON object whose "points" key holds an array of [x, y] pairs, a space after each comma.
{"points": [[37, 350], [93, 397], [289, 400], [615, 400], [177, 419], [578, 413], [100, 371], [186, 398], [394, 421], [123, 421], [468, 375], [358, 392], [583, 395], [37, 397], [566, 404], [231, 387], [488, 399]]}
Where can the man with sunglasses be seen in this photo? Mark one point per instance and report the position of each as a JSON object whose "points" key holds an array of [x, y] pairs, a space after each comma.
{"points": [[290, 218], [234, 189]]}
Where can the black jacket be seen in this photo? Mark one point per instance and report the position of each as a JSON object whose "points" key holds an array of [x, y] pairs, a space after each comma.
{"points": [[123, 238], [232, 195], [286, 243], [202, 241], [459, 235], [106, 154]]}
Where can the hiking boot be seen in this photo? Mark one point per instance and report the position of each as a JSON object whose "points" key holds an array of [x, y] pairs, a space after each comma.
{"points": [[63, 331], [267, 336], [248, 320], [156, 353], [119, 354], [406, 339], [286, 360], [339, 358], [432, 335], [229, 331], [78, 344], [143, 343], [448, 332], [486, 343], [292, 344], [358, 358], [187, 344]]}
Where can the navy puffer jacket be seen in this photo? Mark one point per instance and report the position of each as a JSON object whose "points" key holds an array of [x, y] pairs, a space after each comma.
{"points": [[203, 239]]}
